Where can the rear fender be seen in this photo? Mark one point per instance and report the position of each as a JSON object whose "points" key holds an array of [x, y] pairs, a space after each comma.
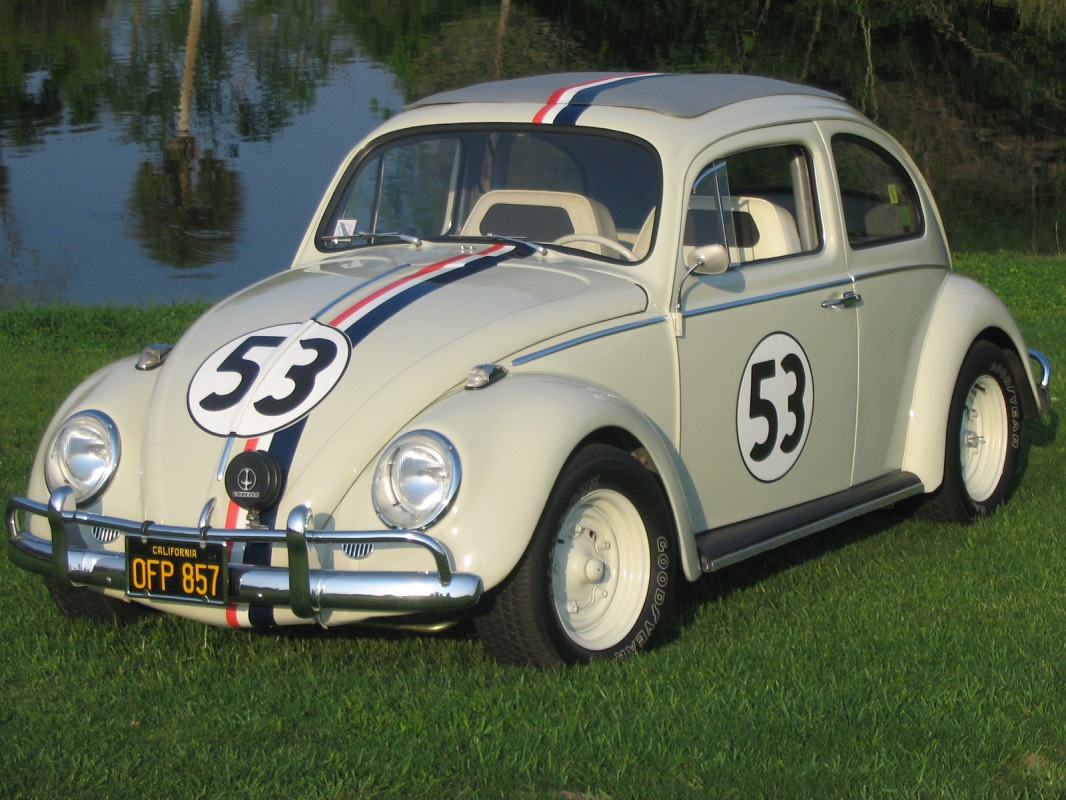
{"points": [[965, 312]]}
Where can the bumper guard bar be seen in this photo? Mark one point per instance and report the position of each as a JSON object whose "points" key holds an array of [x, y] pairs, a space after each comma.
{"points": [[1044, 381], [305, 590]]}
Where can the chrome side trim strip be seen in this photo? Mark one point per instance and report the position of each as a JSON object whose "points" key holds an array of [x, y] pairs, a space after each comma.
{"points": [[547, 351], [878, 272], [853, 277], [762, 298]]}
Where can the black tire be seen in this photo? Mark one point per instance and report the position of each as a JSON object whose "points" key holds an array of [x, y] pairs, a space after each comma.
{"points": [[598, 576], [94, 606], [983, 439]]}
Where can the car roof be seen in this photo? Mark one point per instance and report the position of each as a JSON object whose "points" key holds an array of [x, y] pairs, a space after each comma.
{"points": [[672, 94]]}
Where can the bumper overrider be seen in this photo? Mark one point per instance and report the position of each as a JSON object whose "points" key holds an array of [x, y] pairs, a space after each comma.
{"points": [[299, 587], [1043, 397]]}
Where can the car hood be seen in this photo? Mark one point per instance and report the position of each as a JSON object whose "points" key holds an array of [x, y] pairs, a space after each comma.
{"points": [[323, 365]]}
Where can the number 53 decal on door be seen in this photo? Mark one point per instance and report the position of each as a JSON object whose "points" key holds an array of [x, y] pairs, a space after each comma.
{"points": [[267, 379], [774, 407]]}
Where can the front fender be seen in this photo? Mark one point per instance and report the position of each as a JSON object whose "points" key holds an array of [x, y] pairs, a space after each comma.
{"points": [[513, 439], [120, 391], [965, 311]]}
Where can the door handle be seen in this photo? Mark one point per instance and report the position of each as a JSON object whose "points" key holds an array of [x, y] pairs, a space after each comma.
{"points": [[846, 300]]}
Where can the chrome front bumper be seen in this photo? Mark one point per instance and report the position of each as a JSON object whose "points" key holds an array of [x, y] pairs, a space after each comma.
{"points": [[298, 587]]}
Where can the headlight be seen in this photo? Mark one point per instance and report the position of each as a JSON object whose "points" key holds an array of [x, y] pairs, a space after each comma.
{"points": [[83, 455], [416, 480]]}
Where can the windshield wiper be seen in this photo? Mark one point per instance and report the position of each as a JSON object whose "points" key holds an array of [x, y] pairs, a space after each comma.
{"points": [[539, 249], [371, 237], [518, 241]]}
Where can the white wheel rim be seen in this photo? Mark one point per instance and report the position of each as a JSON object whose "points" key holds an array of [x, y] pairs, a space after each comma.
{"points": [[983, 438], [601, 569]]}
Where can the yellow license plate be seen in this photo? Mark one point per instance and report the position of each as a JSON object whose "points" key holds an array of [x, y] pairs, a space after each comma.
{"points": [[158, 569]]}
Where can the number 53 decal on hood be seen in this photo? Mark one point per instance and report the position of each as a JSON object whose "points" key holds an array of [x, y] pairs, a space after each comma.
{"points": [[267, 379]]}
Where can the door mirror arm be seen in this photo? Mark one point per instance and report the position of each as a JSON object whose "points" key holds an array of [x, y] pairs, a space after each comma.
{"points": [[711, 259]]}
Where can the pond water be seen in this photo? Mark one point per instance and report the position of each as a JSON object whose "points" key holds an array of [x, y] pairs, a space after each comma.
{"points": [[153, 152]]}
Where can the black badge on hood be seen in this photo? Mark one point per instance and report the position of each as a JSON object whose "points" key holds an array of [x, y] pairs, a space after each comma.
{"points": [[254, 480]]}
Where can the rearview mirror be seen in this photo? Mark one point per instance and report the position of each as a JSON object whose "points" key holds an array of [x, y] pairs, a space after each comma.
{"points": [[711, 259]]}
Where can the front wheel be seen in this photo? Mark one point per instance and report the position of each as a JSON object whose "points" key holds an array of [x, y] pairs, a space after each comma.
{"points": [[983, 439], [598, 575]]}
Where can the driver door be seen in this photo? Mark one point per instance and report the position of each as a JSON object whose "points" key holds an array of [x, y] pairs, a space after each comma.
{"points": [[769, 349]]}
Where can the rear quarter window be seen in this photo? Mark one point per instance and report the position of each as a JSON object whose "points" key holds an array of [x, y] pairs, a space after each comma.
{"points": [[878, 197]]}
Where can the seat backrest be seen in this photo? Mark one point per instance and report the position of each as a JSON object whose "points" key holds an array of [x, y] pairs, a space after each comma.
{"points": [[885, 221], [763, 229], [540, 216], [643, 241]]}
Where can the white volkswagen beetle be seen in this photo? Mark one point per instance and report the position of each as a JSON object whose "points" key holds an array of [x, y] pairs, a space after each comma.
{"points": [[549, 346]]}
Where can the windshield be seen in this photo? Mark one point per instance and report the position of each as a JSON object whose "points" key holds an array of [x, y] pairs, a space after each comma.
{"points": [[594, 192]]}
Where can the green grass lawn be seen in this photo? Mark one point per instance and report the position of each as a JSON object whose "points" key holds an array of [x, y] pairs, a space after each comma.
{"points": [[889, 657]]}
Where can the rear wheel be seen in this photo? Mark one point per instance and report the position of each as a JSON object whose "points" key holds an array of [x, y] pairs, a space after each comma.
{"points": [[598, 575], [983, 439]]}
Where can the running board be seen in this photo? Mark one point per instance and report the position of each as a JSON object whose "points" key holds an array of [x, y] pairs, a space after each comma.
{"points": [[732, 543]]}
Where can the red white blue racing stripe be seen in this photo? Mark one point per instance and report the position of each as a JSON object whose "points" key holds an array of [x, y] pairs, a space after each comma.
{"points": [[569, 102], [356, 321]]}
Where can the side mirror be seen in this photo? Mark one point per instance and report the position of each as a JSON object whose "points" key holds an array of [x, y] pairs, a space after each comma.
{"points": [[711, 259]]}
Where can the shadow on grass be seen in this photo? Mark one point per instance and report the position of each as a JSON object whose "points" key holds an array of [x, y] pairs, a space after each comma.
{"points": [[1040, 432], [718, 586], [412, 628], [693, 597]]}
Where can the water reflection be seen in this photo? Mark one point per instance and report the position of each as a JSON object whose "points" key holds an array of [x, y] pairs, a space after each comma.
{"points": [[145, 143], [187, 205], [140, 137]]}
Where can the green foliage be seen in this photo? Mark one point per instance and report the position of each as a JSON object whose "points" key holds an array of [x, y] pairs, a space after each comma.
{"points": [[972, 89], [888, 656]]}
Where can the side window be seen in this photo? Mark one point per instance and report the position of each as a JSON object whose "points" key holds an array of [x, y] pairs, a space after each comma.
{"points": [[759, 204], [879, 200]]}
